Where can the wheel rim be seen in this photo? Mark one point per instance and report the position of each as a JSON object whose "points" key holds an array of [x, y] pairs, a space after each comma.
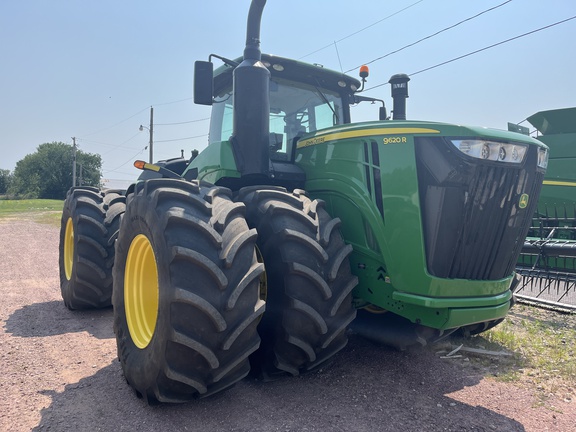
{"points": [[141, 291], [69, 248], [263, 277]]}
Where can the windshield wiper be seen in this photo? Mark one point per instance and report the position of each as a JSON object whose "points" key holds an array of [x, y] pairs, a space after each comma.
{"points": [[325, 99]]}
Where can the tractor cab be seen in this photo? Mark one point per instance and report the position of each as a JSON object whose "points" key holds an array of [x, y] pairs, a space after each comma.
{"points": [[303, 98]]}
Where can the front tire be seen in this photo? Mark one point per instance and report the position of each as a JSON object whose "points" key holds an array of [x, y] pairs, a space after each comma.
{"points": [[309, 302], [89, 227], [186, 291]]}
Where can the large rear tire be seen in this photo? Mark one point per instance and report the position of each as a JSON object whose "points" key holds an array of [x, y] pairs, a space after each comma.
{"points": [[186, 291], [89, 227], [309, 284]]}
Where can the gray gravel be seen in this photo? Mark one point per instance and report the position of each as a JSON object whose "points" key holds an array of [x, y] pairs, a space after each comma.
{"points": [[59, 372]]}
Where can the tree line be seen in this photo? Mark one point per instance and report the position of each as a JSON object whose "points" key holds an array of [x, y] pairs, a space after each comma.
{"points": [[47, 173]]}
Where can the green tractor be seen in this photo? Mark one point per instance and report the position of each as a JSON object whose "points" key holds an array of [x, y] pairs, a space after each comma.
{"points": [[547, 263], [295, 224]]}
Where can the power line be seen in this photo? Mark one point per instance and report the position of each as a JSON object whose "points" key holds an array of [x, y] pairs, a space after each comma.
{"points": [[121, 144], [493, 45], [133, 136], [116, 124], [362, 29], [182, 139], [173, 102], [482, 49], [114, 146], [179, 123], [129, 160], [134, 115], [432, 35], [376, 86]]}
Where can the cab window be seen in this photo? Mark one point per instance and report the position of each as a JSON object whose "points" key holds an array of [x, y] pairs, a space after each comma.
{"points": [[295, 109]]}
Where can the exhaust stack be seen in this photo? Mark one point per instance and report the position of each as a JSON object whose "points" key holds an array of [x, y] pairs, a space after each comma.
{"points": [[251, 123], [399, 85]]}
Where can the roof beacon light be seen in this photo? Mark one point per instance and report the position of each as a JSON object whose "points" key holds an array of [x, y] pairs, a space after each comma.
{"points": [[364, 72]]}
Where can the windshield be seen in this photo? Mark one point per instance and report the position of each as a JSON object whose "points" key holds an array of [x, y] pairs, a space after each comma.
{"points": [[295, 109]]}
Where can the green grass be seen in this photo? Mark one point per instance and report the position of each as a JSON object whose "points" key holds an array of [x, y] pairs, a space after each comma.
{"points": [[39, 210], [543, 347], [544, 341], [541, 344]]}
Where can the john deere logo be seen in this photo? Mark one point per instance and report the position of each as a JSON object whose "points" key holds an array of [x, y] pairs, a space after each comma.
{"points": [[523, 201]]}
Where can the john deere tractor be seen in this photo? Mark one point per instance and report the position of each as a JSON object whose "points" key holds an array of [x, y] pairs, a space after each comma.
{"points": [[295, 224]]}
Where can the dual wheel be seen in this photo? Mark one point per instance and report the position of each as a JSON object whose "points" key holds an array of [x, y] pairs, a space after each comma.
{"points": [[194, 270], [89, 228], [309, 301]]}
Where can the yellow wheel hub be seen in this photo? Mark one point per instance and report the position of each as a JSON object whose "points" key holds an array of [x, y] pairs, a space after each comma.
{"points": [[69, 249], [141, 291], [263, 278]]}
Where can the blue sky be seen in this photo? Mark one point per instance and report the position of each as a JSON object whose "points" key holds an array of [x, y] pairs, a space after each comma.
{"points": [[92, 69]]}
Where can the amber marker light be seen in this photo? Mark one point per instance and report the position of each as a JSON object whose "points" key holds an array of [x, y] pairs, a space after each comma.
{"points": [[147, 166], [156, 168]]}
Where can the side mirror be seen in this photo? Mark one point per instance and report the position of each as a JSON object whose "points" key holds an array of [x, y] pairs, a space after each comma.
{"points": [[383, 115], [203, 82]]}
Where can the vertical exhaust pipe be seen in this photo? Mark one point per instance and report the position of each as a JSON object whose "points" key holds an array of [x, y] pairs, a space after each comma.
{"points": [[399, 85], [251, 112]]}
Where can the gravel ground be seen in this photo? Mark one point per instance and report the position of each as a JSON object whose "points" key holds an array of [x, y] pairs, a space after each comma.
{"points": [[59, 372]]}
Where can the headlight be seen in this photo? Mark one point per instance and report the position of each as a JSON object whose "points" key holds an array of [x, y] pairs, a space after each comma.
{"points": [[543, 157], [492, 150]]}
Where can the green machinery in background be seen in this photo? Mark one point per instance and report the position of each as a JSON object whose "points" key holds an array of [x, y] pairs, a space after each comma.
{"points": [[295, 224], [548, 260]]}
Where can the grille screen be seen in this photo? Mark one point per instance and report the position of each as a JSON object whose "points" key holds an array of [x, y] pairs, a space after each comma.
{"points": [[473, 225]]}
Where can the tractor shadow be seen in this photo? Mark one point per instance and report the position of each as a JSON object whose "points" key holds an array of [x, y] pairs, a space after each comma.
{"points": [[366, 387], [53, 318]]}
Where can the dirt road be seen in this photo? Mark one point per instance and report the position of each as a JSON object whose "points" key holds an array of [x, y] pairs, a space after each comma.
{"points": [[59, 372]]}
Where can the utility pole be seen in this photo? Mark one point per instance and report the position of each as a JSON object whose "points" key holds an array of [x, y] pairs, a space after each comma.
{"points": [[74, 162], [151, 130], [151, 133]]}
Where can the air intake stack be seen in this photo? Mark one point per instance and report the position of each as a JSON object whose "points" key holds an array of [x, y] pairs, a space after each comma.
{"points": [[399, 86], [251, 124]]}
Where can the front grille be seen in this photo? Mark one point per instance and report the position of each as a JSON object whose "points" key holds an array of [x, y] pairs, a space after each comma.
{"points": [[473, 225]]}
